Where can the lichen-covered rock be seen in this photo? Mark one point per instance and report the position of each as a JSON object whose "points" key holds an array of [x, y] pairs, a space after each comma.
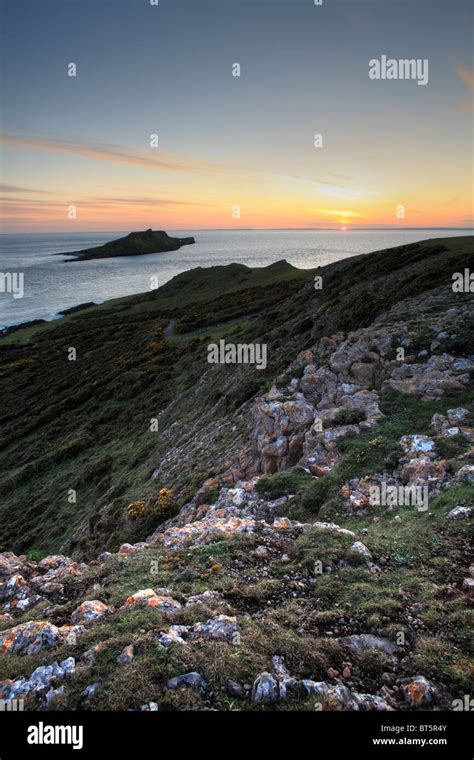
{"points": [[16, 595], [419, 692], [31, 637], [56, 566], [10, 565], [28, 638], [417, 444], [203, 531], [89, 611], [126, 655], [148, 598], [222, 628], [176, 634]]}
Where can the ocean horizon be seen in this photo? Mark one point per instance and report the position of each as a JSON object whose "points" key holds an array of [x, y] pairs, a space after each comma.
{"points": [[53, 284]]}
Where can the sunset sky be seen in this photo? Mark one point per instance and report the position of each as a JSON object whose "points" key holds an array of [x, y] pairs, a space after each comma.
{"points": [[229, 141]]}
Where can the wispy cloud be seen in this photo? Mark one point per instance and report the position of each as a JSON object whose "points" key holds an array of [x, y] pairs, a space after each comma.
{"points": [[467, 76], [324, 187], [27, 205], [16, 189], [148, 158]]}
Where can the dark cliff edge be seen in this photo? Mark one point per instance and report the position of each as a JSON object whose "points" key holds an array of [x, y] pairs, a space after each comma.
{"points": [[134, 244]]}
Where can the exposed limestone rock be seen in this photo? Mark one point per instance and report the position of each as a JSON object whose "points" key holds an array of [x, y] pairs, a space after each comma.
{"points": [[28, 638], [219, 628], [360, 643], [205, 530], [89, 611], [265, 688], [148, 598], [459, 513], [359, 548], [40, 680], [429, 381]]}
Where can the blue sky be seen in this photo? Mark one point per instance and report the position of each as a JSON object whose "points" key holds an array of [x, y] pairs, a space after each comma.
{"points": [[167, 69]]}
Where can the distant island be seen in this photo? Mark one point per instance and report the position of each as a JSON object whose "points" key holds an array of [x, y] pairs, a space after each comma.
{"points": [[134, 244]]}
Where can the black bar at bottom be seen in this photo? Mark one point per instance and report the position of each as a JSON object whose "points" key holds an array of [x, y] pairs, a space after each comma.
{"points": [[376, 734]]}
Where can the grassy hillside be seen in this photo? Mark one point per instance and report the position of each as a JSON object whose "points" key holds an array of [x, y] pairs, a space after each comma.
{"points": [[85, 424]]}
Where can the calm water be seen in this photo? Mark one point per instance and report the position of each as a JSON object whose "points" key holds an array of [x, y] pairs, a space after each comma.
{"points": [[51, 284]]}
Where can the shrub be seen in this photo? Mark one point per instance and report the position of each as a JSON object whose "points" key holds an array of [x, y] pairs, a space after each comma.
{"points": [[154, 510]]}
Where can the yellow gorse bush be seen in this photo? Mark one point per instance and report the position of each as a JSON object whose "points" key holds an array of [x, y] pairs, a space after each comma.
{"points": [[136, 509], [158, 508]]}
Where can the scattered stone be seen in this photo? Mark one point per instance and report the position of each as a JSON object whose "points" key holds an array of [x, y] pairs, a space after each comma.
{"points": [[39, 681], [361, 642], [265, 688], [359, 548], [204, 598], [29, 638], [235, 689], [148, 598], [91, 690], [89, 611], [193, 680], [419, 692], [459, 513], [126, 655], [221, 627]]}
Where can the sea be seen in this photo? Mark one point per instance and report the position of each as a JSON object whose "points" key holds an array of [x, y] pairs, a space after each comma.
{"points": [[52, 283]]}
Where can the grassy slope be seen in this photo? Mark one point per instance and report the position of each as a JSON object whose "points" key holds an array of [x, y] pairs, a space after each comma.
{"points": [[426, 557], [84, 425]]}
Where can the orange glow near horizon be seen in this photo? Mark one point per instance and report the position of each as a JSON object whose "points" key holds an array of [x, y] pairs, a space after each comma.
{"points": [[115, 188]]}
